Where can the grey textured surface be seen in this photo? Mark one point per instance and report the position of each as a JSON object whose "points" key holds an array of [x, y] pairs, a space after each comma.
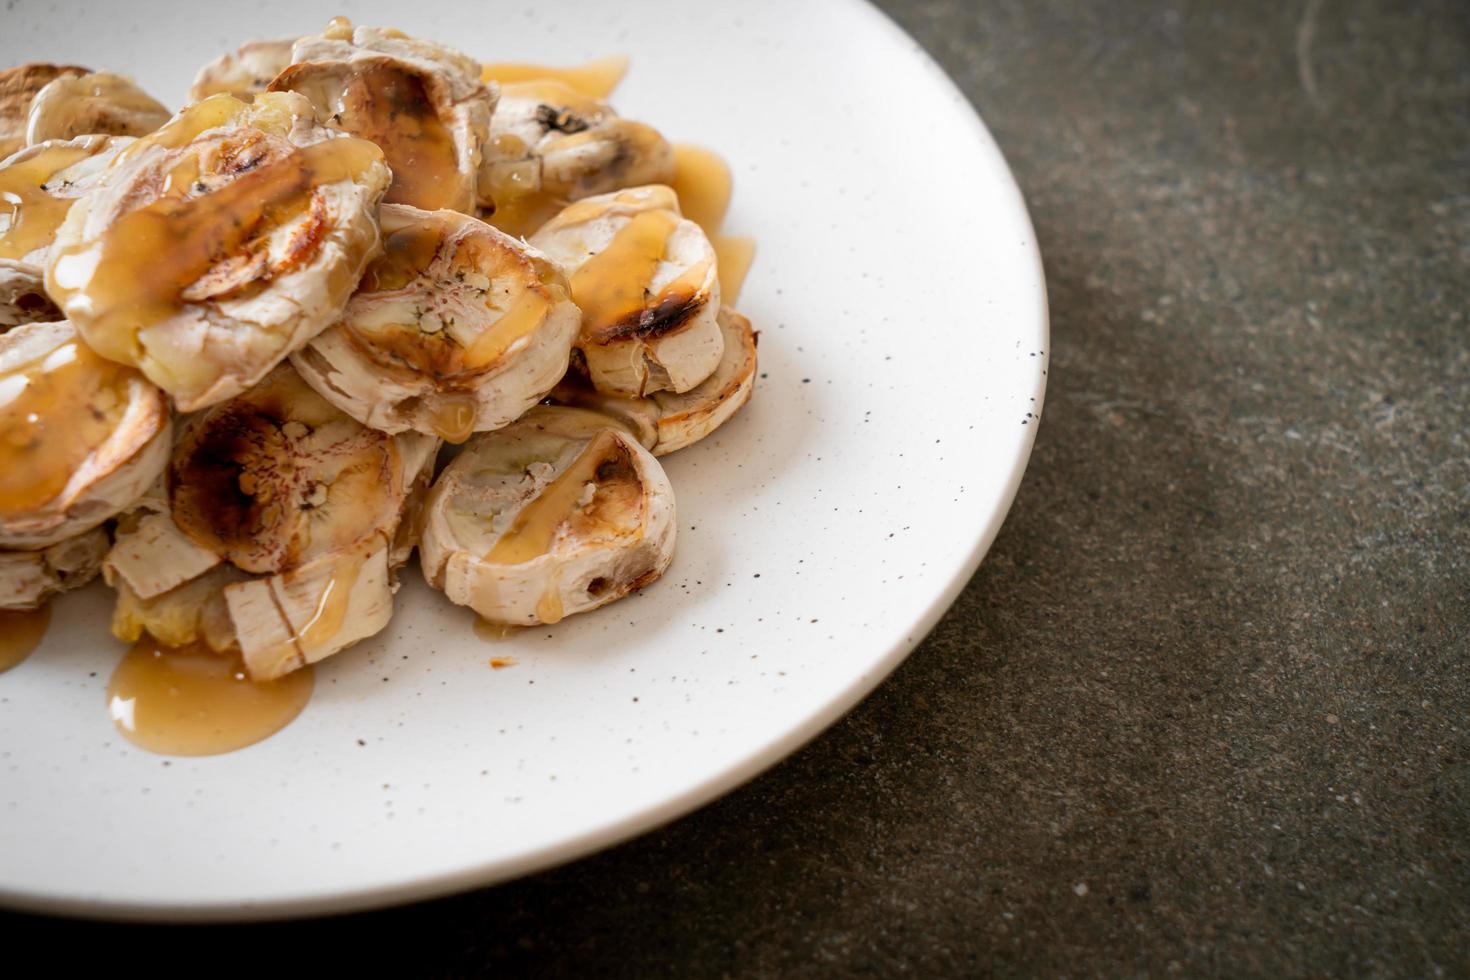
{"points": [[1204, 707]]}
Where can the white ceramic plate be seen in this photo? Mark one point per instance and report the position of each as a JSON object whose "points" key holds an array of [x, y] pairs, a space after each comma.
{"points": [[902, 310]]}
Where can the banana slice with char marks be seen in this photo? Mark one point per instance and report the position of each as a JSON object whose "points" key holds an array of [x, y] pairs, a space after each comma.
{"points": [[551, 144], [279, 533], [423, 103], [96, 103], [556, 514], [665, 421], [38, 186], [244, 72], [28, 579], [81, 438], [648, 286], [211, 249], [18, 86], [456, 328]]}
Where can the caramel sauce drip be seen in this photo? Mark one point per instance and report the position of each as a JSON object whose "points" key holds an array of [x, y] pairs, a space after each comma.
{"points": [[702, 181], [390, 107], [453, 419], [21, 631], [30, 210], [192, 701], [612, 286], [408, 253], [595, 79], [54, 414], [138, 272], [534, 529], [733, 255], [548, 607]]}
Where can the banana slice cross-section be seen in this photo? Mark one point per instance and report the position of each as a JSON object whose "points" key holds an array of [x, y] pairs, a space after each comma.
{"points": [[666, 421], [456, 328], [647, 283], [551, 144], [38, 186], [18, 86], [99, 102], [244, 72], [423, 103], [81, 438], [280, 532], [556, 514], [212, 248], [29, 578]]}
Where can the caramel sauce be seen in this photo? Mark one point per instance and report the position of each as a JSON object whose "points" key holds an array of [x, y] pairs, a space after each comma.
{"points": [[21, 631], [526, 313], [522, 214], [30, 211], [500, 663], [733, 255], [54, 413], [453, 419], [192, 701], [612, 286], [595, 79], [702, 181], [390, 107], [494, 632], [548, 607], [138, 272], [534, 529]]}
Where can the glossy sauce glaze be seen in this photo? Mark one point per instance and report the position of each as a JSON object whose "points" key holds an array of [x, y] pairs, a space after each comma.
{"points": [[140, 271], [703, 183], [612, 286], [21, 631], [533, 531], [30, 209], [192, 701], [595, 79], [54, 414]]}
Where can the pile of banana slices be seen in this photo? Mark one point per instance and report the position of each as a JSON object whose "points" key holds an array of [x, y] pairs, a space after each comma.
{"points": [[362, 295]]}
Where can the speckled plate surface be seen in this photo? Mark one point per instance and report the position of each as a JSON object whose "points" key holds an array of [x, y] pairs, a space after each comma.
{"points": [[902, 310]]}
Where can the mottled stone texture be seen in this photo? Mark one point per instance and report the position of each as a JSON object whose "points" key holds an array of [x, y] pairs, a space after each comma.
{"points": [[1204, 708]]}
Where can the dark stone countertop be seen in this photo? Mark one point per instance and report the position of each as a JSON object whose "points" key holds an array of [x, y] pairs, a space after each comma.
{"points": [[1204, 707]]}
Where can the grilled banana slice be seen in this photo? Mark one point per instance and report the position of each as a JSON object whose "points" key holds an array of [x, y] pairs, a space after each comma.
{"points": [[18, 86], [556, 514], [244, 72], [551, 144], [646, 281], [81, 438], [37, 188], [456, 328], [665, 421], [423, 103], [99, 102], [29, 578], [214, 247], [279, 534]]}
